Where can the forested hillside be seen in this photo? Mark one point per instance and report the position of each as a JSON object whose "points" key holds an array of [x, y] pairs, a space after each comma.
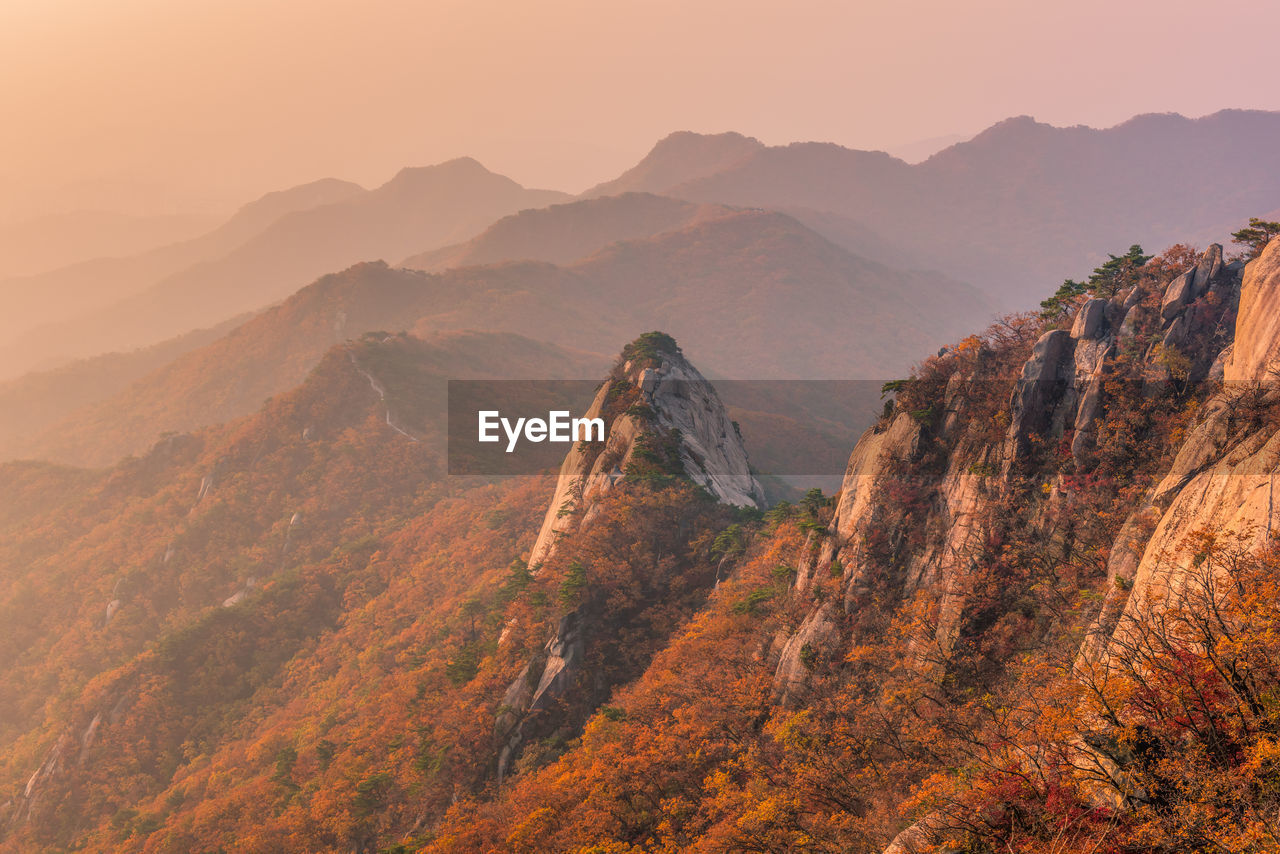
{"points": [[1040, 614]]}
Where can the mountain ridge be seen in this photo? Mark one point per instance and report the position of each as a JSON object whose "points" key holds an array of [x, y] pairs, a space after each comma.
{"points": [[1023, 200], [421, 205], [741, 270]]}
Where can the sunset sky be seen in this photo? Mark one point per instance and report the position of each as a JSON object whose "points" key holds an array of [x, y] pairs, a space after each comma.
{"points": [[160, 105]]}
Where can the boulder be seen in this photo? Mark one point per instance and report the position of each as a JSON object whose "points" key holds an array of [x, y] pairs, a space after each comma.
{"points": [[1091, 321], [1043, 380], [1207, 270], [1176, 296]]}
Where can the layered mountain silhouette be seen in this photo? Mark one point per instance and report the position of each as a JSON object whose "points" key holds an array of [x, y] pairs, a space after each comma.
{"points": [[33, 401], [419, 207], [736, 288], [1021, 202], [682, 156], [567, 232], [58, 295]]}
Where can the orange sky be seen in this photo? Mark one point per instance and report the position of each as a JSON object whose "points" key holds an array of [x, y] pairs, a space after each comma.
{"points": [[160, 104]]}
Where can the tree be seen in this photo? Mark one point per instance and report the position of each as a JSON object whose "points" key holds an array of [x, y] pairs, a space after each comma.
{"points": [[1118, 273], [1113, 276], [1255, 236], [1063, 298]]}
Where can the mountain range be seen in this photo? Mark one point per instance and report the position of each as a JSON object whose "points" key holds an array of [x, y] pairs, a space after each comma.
{"points": [[267, 252], [1040, 612], [731, 283], [1022, 202], [247, 606]]}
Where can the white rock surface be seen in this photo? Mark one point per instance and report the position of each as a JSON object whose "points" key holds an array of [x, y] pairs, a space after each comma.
{"points": [[711, 451]]}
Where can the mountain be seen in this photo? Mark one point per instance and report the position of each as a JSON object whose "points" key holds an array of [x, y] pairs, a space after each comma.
{"points": [[422, 206], [662, 422], [920, 150], [734, 288], [652, 390], [128, 577], [567, 232], [1040, 614], [681, 157], [1023, 201], [43, 298]]}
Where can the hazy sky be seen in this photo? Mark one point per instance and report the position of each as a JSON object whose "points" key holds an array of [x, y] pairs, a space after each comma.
{"points": [[181, 103]]}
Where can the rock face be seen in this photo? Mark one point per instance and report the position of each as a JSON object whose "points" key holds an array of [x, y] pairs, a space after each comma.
{"points": [[1222, 479], [553, 671], [962, 472], [1256, 351], [653, 403], [1213, 322], [669, 394]]}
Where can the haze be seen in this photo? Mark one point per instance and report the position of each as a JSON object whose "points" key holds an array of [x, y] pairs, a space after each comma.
{"points": [[150, 106]]}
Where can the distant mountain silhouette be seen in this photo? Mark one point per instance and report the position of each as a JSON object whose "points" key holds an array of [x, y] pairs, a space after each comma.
{"points": [[1020, 206], [567, 232], [740, 290], [31, 301], [680, 157], [919, 150], [419, 207]]}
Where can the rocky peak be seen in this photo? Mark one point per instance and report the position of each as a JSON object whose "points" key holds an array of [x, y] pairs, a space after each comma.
{"points": [[1058, 394], [662, 419], [654, 400]]}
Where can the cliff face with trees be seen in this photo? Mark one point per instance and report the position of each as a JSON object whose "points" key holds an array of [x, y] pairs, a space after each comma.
{"points": [[1040, 615]]}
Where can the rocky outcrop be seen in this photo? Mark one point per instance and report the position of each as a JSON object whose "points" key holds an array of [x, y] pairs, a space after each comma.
{"points": [[1059, 396], [800, 651], [1223, 475], [1223, 478], [873, 454], [650, 394], [553, 671], [658, 411], [1037, 393]]}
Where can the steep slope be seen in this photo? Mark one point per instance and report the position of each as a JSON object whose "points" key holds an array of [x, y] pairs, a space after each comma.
{"points": [[171, 594], [727, 286], [561, 234], [423, 206], [35, 300], [1023, 201], [293, 631], [1123, 452]]}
